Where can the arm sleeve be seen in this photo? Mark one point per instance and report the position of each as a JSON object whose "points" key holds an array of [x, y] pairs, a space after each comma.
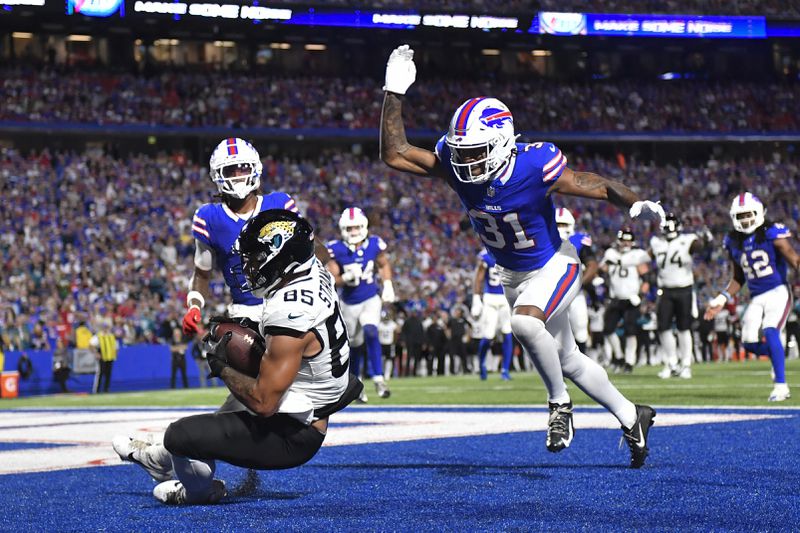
{"points": [[778, 231], [553, 162]]}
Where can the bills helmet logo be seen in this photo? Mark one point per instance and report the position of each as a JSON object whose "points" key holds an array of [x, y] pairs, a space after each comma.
{"points": [[493, 117]]}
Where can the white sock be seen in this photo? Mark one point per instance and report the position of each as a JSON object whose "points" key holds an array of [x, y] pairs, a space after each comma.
{"points": [[195, 475], [668, 347], [543, 351], [377, 379], [630, 350], [616, 347], [685, 345]]}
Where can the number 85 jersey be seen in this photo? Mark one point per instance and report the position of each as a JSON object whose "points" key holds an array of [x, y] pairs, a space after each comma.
{"points": [[764, 267], [512, 213]]}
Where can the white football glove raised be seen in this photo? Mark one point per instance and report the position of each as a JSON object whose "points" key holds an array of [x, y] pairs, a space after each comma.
{"points": [[387, 295], [477, 306], [400, 70], [645, 207]]}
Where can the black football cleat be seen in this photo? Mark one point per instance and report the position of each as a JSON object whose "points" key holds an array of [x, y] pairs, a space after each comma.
{"points": [[559, 428], [636, 437]]}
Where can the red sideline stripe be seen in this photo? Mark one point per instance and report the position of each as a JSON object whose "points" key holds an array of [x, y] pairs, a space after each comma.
{"points": [[561, 290], [461, 123]]}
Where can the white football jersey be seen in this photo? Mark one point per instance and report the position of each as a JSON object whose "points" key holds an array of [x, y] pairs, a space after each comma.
{"points": [[674, 261], [386, 332], [623, 274], [306, 304]]}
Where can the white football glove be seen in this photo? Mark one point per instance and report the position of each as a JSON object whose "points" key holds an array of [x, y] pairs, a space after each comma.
{"points": [[477, 306], [644, 207], [400, 70], [387, 295], [351, 274], [635, 300]]}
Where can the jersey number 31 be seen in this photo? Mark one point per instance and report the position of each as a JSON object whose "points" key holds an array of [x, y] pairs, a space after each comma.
{"points": [[492, 234]]}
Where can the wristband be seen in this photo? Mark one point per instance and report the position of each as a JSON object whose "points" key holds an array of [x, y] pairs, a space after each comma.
{"points": [[727, 295], [195, 295], [718, 301]]}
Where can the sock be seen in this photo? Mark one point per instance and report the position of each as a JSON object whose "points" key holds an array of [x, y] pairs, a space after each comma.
{"points": [[374, 355], [630, 350], [776, 353], [616, 347], [592, 379], [668, 345], [686, 346], [483, 349], [195, 475], [543, 350], [356, 356], [508, 345]]}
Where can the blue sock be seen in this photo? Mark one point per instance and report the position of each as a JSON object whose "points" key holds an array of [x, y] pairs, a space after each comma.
{"points": [[483, 349], [508, 348], [356, 356], [758, 348], [776, 353], [373, 343]]}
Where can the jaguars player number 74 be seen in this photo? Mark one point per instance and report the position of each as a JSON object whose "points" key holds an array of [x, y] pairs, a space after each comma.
{"points": [[505, 187]]}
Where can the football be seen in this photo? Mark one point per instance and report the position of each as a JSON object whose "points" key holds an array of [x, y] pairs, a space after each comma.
{"points": [[245, 348]]}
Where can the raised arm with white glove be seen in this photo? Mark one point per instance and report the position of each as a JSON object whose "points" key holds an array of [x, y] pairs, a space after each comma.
{"points": [[647, 207], [400, 70]]}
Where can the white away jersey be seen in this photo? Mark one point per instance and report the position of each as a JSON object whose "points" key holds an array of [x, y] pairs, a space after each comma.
{"points": [[623, 274], [306, 304], [674, 261]]}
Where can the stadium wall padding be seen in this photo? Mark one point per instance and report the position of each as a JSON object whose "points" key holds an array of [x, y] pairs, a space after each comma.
{"points": [[138, 367]]}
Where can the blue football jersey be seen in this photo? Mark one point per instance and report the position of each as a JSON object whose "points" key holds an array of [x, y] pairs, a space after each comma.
{"points": [[512, 213], [216, 226], [764, 267], [491, 281], [580, 241], [363, 259]]}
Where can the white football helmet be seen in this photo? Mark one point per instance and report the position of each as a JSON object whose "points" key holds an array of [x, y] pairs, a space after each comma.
{"points": [[747, 213], [481, 139], [353, 224], [235, 168], [565, 222]]}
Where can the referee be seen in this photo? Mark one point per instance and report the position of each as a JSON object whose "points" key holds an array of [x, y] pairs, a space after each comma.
{"points": [[106, 343]]}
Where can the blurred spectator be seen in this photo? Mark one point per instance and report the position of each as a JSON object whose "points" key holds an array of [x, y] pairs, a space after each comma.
{"points": [[61, 368], [457, 348], [106, 344], [178, 350]]}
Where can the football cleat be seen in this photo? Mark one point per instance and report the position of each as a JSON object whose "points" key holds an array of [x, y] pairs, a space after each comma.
{"points": [[139, 452], [636, 437], [685, 373], [559, 428], [382, 389], [665, 373], [484, 373], [362, 398], [780, 393], [505, 376], [174, 493]]}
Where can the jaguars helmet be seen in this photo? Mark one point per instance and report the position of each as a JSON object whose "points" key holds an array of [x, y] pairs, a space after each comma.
{"points": [[625, 239], [481, 139], [747, 213], [273, 246], [671, 227], [235, 168], [565, 222], [353, 225]]}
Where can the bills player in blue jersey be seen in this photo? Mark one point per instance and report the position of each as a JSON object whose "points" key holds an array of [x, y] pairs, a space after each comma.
{"points": [[760, 253], [505, 187], [578, 310], [354, 261], [491, 309]]}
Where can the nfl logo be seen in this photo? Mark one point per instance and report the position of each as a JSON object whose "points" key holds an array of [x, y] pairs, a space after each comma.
{"points": [[490, 191]]}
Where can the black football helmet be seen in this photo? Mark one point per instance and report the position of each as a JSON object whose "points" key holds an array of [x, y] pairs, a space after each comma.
{"points": [[272, 246], [625, 238], [671, 227]]}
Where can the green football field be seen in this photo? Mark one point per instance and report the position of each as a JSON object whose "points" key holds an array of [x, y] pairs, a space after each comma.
{"points": [[715, 384]]}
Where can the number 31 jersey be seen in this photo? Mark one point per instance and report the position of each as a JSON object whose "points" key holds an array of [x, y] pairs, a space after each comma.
{"points": [[512, 213], [764, 267], [674, 260]]}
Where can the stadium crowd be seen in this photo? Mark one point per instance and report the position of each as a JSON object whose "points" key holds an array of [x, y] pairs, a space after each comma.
{"points": [[231, 99], [108, 239]]}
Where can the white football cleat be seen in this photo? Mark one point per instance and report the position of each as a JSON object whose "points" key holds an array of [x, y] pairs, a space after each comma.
{"points": [[173, 493], [780, 393], [685, 373], [665, 373], [139, 451]]}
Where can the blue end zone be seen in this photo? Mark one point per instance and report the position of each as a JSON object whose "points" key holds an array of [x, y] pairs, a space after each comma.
{"points": [[737, 476]]}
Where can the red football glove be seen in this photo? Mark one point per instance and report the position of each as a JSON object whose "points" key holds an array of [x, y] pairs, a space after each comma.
{"points": [[191, 321]]}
